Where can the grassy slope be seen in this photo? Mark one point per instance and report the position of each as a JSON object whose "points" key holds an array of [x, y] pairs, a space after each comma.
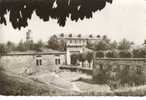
{"points": [[11, 84]]}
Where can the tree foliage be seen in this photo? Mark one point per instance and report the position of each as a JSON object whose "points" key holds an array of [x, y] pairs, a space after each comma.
{"points": [[22, 10], [3, 49], [99, 54], [124, 45], [139, 53], [112, 54], [74, 58], [56, 44], [125, 54]]}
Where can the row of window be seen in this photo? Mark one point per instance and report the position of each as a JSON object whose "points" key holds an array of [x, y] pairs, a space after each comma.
{"points": [[39, 62], [77, 41]]}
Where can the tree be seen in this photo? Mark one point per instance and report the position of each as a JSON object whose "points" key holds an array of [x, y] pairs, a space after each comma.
{"points": [[38, 46], [21, 11], [125, 54], [89, 58], [74, 58], [112, 54], [62, 45], [56, 44], [99, 54], [21, 46], [10, 46], [53, 42], [124, 45], [3, 49], [113, 45], [90, 45], [139, 53], [82, 58], [101, 45]]}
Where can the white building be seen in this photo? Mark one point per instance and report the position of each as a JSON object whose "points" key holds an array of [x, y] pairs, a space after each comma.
{"points": [[77, 44]]}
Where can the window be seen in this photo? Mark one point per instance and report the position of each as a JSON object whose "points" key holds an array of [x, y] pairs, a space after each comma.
{"points": [[57, 61], [139, 69], [39, 62], [70, 41]]}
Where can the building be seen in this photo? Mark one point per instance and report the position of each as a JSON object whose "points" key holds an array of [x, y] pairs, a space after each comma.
{"points": [[77, 44], [32, 61]]}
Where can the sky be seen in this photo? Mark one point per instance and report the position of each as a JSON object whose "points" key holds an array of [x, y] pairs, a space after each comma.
{"points": [[121, 19]]}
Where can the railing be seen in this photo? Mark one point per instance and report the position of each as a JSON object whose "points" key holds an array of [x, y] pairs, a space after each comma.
{"points": [[77, 68]]}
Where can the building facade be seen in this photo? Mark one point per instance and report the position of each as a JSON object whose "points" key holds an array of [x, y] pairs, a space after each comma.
{"points": [[77, 44], [20, 62]]}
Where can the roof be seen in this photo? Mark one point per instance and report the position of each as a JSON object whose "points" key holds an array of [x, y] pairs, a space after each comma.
{"points": [[82, 37], [44, 52]]}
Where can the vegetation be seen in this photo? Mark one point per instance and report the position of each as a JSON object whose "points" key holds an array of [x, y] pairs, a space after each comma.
{"points": [[139, 53], [3, 49], [111, 54], [56, 44], [74, 58], [99, 54], [45, 10], [125, 45], [125, 54]]}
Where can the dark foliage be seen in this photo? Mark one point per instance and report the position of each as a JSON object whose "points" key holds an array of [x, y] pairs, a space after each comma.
{"points": [[3, 49], [22, 10], [112, 54], [125, 54], [99, 54], [139, 53], [74, 58]]}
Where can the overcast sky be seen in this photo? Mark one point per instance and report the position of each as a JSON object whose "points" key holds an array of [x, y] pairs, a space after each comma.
{"points": [[122, 19]]}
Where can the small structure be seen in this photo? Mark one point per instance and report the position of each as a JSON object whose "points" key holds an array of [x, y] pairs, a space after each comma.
{"points": [[21, 61]]}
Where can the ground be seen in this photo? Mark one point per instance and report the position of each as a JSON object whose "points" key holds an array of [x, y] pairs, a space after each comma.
{"points": [[75, 81], [60, 83]]}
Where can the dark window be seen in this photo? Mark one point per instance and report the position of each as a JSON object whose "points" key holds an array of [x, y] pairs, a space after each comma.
{"points": [[57, 61], [139, 69], [39, 62]]}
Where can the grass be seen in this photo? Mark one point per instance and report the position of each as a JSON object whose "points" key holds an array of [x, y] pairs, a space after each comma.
{"points": [[15, 85]]}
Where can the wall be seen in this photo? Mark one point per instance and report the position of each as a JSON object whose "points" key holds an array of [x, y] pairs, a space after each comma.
{"points": [[27, 63], [118, 64]]}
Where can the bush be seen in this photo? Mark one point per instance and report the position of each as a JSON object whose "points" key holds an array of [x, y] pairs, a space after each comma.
{"points": [[125, 54], [99, 54], [139, 53], [74, 58], [102, 76], [112, 54], [132, 76]]}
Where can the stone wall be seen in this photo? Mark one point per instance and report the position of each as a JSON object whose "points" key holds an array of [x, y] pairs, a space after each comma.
{"points": [[27, 63], [117, 65]]}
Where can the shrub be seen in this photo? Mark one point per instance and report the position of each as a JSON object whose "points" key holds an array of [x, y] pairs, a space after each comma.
{"points": [[99, 54], [74, 58], [139, 53], [102, 77], [112, 54], [125, 54]]}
